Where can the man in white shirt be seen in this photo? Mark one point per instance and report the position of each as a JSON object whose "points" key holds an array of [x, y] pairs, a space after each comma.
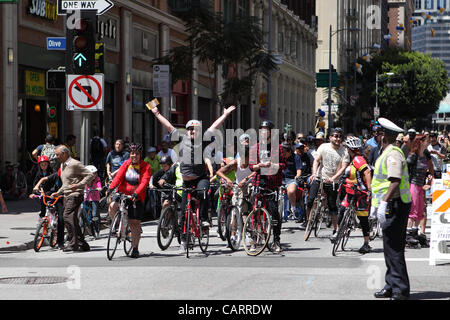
{"points": [[437, 155], [167, 152]]}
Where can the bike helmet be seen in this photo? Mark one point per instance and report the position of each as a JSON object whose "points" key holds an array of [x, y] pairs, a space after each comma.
{"points": [[193, 123], [243, 137], [43, 158], [165, 160], [91, 168], [135, 147], [353, 143], [266, 123]]}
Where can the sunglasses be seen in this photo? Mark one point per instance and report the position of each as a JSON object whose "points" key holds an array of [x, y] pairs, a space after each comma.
{"points": [[337, 136]]}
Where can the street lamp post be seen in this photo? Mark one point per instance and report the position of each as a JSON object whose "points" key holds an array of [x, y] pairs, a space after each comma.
{"points": [[376, 111], [329, 70]]}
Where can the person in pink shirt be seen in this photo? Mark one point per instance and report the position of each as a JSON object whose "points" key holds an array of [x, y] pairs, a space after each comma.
{"points": [[92, 199]]}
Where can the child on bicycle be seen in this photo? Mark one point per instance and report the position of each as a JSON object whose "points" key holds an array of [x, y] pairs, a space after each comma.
{"points": [[92, 198], [49, 183], [357, 173]]}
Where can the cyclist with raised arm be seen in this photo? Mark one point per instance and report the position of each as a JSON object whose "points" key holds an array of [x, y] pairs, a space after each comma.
{"points": [[132, 179], [329, 164], [193, 164], [357, 174], [272, 174]]}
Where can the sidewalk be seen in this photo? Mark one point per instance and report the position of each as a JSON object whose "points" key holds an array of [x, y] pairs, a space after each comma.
{"points": [[17, 225]]}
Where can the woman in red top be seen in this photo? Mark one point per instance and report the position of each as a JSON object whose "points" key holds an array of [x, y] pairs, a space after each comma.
{"points": [[133, 178]]}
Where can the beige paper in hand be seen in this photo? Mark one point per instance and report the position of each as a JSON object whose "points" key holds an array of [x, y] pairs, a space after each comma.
{"points": [[152, 104]]}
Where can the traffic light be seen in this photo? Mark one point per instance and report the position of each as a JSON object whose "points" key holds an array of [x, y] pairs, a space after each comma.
{"points": [[80, 53], [99, 57], [56, 79]]}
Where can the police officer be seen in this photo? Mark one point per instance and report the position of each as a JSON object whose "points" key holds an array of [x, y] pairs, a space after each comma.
{"points": [[391, 202]]}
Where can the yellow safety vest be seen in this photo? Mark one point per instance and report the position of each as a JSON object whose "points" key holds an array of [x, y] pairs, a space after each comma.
{"points": [[380, 182], [179, 181]]}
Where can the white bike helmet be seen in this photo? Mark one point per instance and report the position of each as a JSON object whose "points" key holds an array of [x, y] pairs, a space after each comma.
{"points": [[193, 123], [353, 143], [91, 168]]}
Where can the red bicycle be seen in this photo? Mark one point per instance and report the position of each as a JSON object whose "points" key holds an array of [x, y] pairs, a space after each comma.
{"points": [[192, 226]]}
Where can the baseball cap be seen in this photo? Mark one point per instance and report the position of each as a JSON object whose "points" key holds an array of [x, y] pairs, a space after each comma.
{"points": [[400, 137], [151, 149], [320, 135], [299, 145]]}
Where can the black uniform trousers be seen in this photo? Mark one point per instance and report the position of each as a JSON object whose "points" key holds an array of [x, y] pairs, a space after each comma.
{"points": [[394, 241]]}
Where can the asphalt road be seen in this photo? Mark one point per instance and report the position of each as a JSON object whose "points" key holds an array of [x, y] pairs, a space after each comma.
{"points": [[304, 270]]}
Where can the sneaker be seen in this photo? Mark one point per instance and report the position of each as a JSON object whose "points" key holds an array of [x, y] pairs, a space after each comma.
{"points": [[365, 248], [134, 253], [232, 238], [252, 248], [182, 248], [205, 224], [303, 226], [276, 247], [333, 236]]}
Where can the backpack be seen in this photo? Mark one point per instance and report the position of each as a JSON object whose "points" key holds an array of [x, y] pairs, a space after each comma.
{"points": [[97, 150], [49, 150]]}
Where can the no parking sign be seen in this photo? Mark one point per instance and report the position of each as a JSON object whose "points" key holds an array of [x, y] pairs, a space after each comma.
{"points": [[85, 92]]}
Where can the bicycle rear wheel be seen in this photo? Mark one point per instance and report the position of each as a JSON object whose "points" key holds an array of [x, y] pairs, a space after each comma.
{"points": [[113, 237], [188, 231], [312, 219], [166, 228], [234, 218], [53, 237], [40, 234], [257, 229], [374, 229], [222, 221]]}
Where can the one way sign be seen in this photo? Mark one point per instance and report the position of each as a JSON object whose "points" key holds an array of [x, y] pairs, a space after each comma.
{"points": [[101, 6]]}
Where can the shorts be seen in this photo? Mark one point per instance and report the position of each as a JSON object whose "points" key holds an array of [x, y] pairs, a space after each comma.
{"points": [[135, 213], [288, 181]]}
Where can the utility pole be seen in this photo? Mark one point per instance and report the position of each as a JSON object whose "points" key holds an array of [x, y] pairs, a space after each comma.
{"points": [[269, 78]]}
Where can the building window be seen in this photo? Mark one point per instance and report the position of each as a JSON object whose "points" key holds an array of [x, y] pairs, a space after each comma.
{"points": [[228, 10], [288, 46], [280, 42], [418, 4], [294, 47], [441, 3], [145, 43], [428, 4], [242, 8]]}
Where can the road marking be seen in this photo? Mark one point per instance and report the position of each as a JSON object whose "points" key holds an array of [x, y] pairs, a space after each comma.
{"points": [[407, 259]]}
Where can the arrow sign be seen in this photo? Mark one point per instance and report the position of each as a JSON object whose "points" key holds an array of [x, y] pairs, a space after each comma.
{"points": [[101, 6], [80, 57]]}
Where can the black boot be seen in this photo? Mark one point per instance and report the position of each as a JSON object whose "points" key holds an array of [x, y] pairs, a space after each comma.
{"points": [[422, 238]]}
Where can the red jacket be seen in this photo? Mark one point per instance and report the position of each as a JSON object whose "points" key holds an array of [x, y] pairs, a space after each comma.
{"points": [[125, 187]]}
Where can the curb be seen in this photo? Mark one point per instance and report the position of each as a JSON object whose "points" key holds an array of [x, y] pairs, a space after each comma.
{"points": [[18, 247]]}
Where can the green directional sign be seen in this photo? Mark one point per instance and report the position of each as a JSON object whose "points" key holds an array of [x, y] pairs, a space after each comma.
{"points": [[8, 1], [322, 79]]}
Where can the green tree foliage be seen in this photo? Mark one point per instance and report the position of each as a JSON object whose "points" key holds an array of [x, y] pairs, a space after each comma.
{"points": [[424, 83], [216, 42]]}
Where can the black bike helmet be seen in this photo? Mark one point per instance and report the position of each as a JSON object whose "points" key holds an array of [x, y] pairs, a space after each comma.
{"points": [[135, 147], [165, 160], [266, 123]]}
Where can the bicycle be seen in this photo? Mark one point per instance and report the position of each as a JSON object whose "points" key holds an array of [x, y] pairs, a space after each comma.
{"points": [[348, 223], [223, 210], [375, 229], [168, 225], [192, 225], [258, 224], [120, 230], [47, 227], [317, 213], [235, 221]]}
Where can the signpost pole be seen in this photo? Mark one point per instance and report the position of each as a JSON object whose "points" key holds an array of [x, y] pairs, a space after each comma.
{"points": [[84, 138]]}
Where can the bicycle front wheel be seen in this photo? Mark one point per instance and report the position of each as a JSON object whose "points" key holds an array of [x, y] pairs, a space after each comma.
{"points": [[166, 228], [53, 238], [127, 241], [188, 231], [234, 228], [203, 239], [257, 229], [340, 233], [374, 229], [39, 237], [348, 230], [113, 237], [318, 222], [312, 219], [222, 221]]}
